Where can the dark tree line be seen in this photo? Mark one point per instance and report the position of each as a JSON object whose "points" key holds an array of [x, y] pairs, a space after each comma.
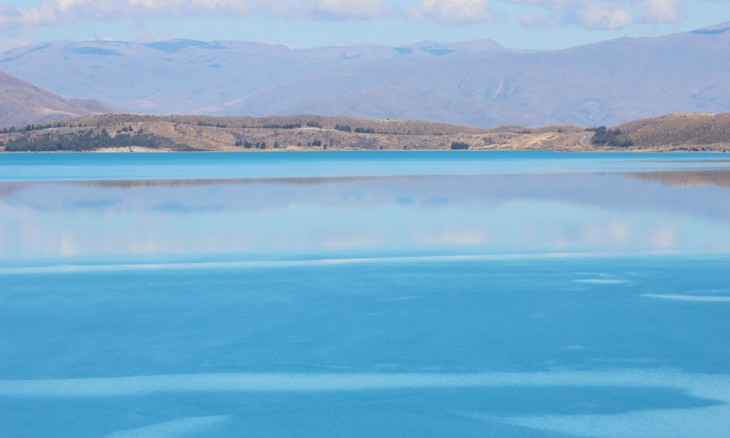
{"points": [[459, 146], [343, 128], [28, 128], [282, 126], [293, 125], [88, 141], [249, 145], [348, 128], [609, 137], [210, 124]]}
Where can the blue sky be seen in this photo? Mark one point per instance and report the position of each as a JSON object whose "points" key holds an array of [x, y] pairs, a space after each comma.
{"points": [[528, 24]]}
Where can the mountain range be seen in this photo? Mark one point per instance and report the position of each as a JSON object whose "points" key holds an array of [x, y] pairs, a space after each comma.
{"points": [[477, 83]]}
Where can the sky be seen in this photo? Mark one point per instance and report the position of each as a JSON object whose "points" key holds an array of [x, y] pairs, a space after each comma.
{"points": [[521, 24]]}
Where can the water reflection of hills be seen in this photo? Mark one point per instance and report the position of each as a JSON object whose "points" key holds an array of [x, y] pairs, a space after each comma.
{"points": [[688, 178], [637, 191], [8, 188], [131, 184]]}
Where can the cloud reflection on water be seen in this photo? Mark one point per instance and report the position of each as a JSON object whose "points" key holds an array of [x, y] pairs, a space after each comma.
{"points": [[674, 211]]}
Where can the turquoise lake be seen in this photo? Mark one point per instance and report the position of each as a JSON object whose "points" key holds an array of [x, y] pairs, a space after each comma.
{"points": [[348, 294]]}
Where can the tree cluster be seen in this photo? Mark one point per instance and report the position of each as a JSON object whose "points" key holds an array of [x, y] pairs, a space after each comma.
{"points": [[609, 137], [457, 145], [343, 128], [348, 128], [249, 145], [28, 128], [87, 141], [216, 125], [282, 126]]}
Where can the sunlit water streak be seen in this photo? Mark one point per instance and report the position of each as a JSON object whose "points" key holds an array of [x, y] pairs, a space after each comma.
{"points": [[706, 385]]}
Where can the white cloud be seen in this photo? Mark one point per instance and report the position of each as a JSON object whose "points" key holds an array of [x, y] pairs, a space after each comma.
{"points": [[351, 9], [57, 12], [530, 19], [597, 15], [453, 12], [601, 14], [591, 14], [659, 11]]}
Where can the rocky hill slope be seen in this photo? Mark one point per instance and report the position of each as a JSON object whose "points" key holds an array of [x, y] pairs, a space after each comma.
{"points": [[683, 129], [23, 103]]}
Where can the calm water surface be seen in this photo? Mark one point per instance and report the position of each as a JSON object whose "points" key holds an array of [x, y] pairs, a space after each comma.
{"points": [[360, 294]]}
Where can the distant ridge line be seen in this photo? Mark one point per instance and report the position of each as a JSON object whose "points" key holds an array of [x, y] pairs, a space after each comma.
{"points": [[477, 83]]}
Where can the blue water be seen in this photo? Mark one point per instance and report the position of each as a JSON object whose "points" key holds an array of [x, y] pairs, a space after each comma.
{"points": [[202, 165], [544, 296]]}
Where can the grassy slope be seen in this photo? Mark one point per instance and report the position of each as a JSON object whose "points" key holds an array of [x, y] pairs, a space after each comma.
{"points": [[675, 132]]}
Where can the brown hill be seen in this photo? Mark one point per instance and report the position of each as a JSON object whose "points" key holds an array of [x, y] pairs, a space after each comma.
{"points": [[125, 132], [23, 103], [134, 132], [683, 130]]}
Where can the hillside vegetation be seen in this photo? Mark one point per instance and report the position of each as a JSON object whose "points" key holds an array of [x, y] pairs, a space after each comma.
{"points": [[133, 133], [683, 130]]}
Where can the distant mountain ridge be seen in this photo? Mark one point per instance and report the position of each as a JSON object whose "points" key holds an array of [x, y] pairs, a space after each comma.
{"points": [[23, 103], [478, 83], [194, 77]]}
